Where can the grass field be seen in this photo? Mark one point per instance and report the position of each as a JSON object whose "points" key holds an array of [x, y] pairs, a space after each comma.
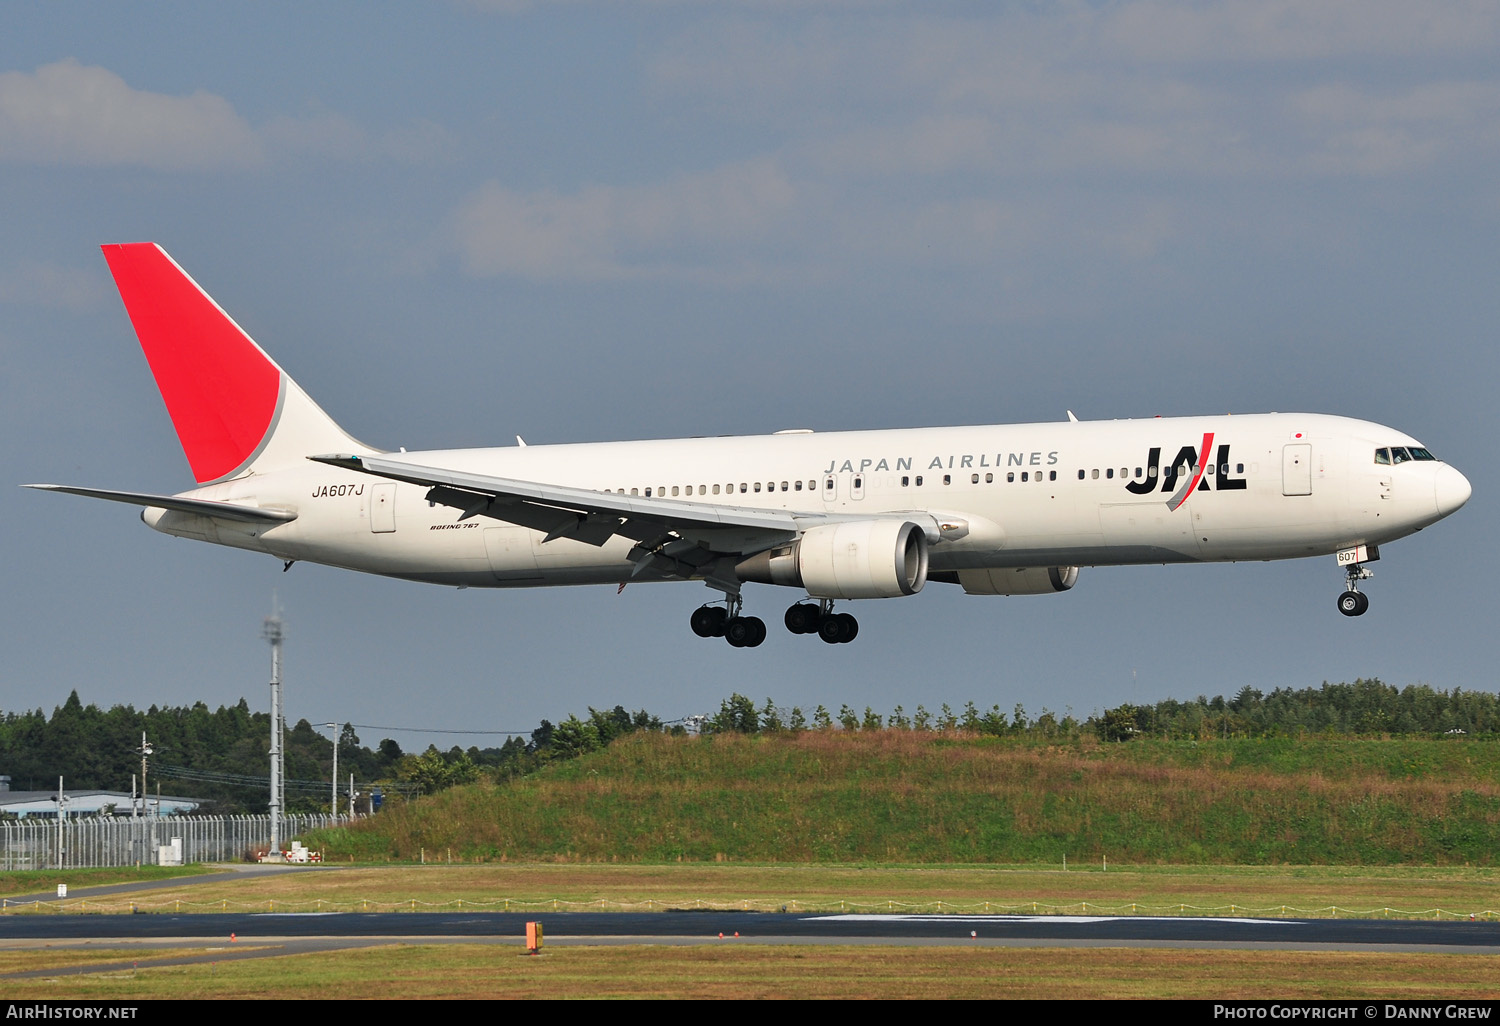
{"points": [[1217, 890], [37, 881], [728, 970]]}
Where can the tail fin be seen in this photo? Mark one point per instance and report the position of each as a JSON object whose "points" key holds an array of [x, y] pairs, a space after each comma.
{"points": [[236, 412]]}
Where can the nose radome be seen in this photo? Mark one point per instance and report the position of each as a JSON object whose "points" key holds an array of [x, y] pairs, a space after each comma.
{"points": [[1450, 490]]}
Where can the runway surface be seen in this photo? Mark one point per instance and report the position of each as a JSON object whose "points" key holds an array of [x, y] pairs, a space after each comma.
{"points": [[347, 929]]}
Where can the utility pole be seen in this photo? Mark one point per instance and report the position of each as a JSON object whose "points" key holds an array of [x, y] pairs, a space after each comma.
{"points": [[146, 751], [271, 630]]}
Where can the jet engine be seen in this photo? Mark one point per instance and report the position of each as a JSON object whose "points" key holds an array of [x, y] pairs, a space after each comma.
{"points": [[1032, 580], [855, 560]]}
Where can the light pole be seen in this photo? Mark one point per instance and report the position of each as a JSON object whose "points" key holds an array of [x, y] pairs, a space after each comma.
{"points": [[333, 797], [273, 633]]}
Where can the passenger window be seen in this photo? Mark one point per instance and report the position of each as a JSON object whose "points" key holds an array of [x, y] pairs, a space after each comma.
{"points": [[745, 488], [1051, 475], [947, 479], [919, 480], [757, 486], [1239, 468], [989, 479], [716, 489], [648, 493], [1094, 473], [1010, 477], [906, 482], [799, 485], [1138, 471], [784, 487], [634, 491], [974, 479], [674, 489], [1080, 475], [1109, 473], [1024, 474]]}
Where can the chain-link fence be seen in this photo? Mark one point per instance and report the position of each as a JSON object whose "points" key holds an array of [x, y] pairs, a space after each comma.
{"points": [[100, 841]]}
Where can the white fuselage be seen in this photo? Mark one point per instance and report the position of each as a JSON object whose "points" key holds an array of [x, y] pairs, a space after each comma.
{"points": [[1273, 486]]}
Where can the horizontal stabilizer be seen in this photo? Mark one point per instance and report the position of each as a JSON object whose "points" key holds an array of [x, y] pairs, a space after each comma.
{"points": [[201, 507]]}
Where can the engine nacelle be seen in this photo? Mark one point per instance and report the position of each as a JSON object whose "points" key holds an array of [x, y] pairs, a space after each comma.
{"points": [[1031, 580], [860, 559]]}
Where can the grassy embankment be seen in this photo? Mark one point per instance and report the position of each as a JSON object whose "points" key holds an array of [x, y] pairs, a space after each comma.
{"points": [[912, 797], [731, 970]]}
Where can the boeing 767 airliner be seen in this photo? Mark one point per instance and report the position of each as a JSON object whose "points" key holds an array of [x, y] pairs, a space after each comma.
{"points": [[998, 510]]}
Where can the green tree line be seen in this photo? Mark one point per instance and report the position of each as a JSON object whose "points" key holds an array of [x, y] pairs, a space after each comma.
{"points": [[221, 755]]}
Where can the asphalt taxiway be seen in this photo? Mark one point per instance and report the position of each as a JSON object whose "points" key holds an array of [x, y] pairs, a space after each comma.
{"points": [[347, 929]]}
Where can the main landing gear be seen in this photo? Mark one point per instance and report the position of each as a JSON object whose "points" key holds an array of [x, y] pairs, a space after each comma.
{"points": [[1354, 602], [820, 619], [726, 621]]}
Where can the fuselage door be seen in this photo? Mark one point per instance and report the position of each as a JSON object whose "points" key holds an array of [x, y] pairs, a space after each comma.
{"points": [[830, 488], [383, 508], [1296, 469]]}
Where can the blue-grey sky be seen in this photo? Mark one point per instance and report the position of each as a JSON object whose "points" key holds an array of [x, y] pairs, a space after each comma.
{"points": [[455, 223]]}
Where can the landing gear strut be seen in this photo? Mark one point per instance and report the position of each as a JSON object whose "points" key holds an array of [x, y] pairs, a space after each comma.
{"points": [[1354, 602], [820, 619], [726, 622]]}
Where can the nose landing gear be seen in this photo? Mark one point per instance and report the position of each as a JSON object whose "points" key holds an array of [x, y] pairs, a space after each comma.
{"points": [[1354, 602]]}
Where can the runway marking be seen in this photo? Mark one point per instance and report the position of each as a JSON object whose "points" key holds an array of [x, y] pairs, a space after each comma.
{"points": [[915, 917]]}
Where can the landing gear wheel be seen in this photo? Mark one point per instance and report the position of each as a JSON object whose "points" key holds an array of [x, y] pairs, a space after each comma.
{"points": [[1353, 603], [745, 631], [803, 618], [838, 629], [708, 621], [851, 627]]}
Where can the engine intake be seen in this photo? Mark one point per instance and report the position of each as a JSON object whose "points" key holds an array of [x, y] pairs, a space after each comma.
{"points": [[859, 559]]}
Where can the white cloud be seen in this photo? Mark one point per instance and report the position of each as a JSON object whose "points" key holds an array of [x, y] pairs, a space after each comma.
{"points": [[67, 113], [608, 231], [70, 114]]}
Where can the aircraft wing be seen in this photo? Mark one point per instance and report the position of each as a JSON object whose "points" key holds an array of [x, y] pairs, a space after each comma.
{"points": [[683, 538], [201, 507]]}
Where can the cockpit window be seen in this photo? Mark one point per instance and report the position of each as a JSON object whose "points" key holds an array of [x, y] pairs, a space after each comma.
{"points": [[1418, 453], [1399, 454], [1383, 456]]}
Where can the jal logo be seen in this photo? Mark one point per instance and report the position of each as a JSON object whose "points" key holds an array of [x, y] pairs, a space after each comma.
{"points": [[1186, 473]]}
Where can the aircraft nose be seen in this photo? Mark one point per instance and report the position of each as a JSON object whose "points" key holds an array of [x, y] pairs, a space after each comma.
{"points": [[1451, 490]]}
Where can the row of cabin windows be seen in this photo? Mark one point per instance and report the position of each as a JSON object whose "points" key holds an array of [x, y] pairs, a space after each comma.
{"points": [[1010, 478], [907, 481], [1182, 468], [744, 486]]}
